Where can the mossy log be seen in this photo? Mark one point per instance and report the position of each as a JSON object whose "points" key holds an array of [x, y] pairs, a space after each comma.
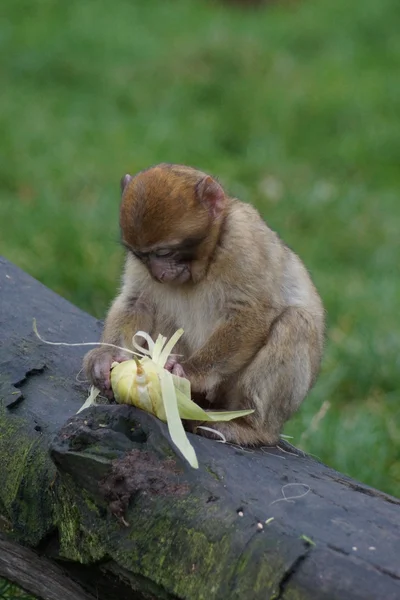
{"points": [[103, 499]]}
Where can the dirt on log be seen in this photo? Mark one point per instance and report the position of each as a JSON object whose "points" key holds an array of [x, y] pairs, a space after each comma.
{"points": [[104, 498]]}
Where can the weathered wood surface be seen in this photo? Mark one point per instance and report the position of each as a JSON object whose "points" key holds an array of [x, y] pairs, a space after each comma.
{"points": [[125, 517], [37, 574]]}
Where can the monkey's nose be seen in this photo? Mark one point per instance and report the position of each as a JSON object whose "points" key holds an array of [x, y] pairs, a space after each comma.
{"points": [[158, 270]]}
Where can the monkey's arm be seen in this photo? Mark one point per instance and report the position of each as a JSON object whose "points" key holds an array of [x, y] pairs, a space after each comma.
{"points": [[276, 380], [126, 316], [231, 346]]}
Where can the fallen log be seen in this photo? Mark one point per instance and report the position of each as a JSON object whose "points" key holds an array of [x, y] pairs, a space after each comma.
{"points": [[101, 505]]}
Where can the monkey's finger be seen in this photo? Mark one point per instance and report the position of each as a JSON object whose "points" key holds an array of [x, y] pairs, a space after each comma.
{"points": [[178, 370], [121, 358], [103, 383], [108, 392], [100, 374], [171, 362], [101, 371]]}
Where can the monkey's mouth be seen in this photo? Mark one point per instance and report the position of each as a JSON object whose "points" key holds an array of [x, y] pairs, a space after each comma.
{"points": [[175, 275]]}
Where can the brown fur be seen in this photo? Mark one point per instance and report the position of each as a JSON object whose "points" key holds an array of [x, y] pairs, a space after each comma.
{"points": [[253, 321], [173, 194]]}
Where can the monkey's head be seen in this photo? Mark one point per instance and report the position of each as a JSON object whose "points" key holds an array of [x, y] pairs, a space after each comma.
{"points": [[170, 220]]}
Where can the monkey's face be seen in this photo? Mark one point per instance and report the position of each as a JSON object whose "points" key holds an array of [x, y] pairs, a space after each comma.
{"points": [[169, 216], [166, 265]]}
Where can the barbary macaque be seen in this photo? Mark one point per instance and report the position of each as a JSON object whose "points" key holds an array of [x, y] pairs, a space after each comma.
{"points": [[200, 260]]}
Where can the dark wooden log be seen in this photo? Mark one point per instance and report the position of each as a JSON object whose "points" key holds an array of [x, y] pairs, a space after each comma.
{"points": [[37, 574], [104, 496]]}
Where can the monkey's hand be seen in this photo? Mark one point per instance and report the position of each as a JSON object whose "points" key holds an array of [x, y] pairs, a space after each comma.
{"points": [[97, 366], [173, 366]]}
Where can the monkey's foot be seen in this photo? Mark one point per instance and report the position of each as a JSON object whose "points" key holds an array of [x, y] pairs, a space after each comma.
{"points": [[235, 433]]}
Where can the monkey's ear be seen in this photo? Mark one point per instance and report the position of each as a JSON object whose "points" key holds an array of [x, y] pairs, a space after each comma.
{"points": [[124, 181], [212, 195]]}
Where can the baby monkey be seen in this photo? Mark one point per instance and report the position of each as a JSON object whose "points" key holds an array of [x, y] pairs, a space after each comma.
{"points": [[253, 321]]}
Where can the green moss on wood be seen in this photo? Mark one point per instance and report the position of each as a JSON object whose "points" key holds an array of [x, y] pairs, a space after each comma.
{"points": [[210, 470], [78, 541], [190, 553], [26, 474]]}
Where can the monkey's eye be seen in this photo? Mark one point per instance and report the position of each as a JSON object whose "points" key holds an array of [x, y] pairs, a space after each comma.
{"points": [[139, 255], [163, 253]]}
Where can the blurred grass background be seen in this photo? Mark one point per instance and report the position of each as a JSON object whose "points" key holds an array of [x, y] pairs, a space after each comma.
{"points": [[295, 107]]}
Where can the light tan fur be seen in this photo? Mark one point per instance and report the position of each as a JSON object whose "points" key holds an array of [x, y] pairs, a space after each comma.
{"points": [[253, 320]]}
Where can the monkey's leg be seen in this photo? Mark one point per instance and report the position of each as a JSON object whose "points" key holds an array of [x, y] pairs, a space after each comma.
{"points": [[276, 381]]}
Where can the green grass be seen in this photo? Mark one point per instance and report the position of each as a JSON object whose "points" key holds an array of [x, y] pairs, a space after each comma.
{"points": [[296, 108], [10, 591]]}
